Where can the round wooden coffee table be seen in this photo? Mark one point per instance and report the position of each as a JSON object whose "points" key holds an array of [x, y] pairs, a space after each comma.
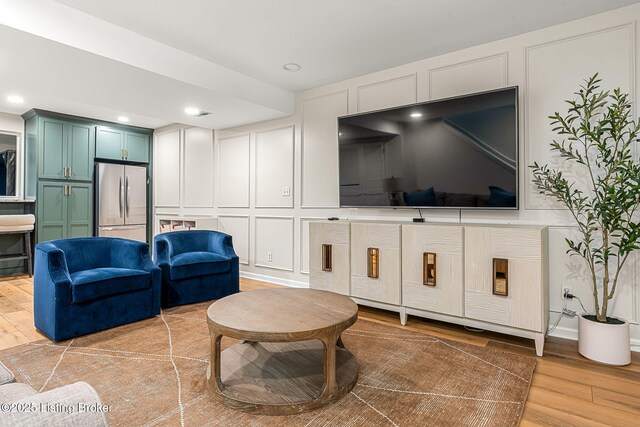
{"points": [[291, 358]]}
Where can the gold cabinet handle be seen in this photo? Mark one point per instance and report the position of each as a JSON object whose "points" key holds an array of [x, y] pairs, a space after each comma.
{"points": [[327, 256], [69, 172], [373, 263], [429, 269], [501, 277]]}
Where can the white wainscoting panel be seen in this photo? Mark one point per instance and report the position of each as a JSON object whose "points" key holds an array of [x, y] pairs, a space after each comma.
{"points": [[387, 94], [470, 76], [274, 234], [553, 72], [320, 149], [166, 170], [274, 168], [233, 172], [238, 227], [198, 168]]}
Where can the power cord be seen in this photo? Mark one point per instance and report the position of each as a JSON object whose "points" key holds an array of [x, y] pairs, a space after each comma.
{"points": [[569, 295], [562, 313]]}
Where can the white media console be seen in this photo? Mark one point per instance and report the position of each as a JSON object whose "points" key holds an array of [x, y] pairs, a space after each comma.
{"points": [[491, 277]]}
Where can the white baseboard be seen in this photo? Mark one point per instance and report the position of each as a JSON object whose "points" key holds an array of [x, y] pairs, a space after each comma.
{"points": [[566, 333], [276, 280], [572, 334]]}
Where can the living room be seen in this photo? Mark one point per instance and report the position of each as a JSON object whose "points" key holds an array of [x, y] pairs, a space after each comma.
{"points": [[239, 109]]}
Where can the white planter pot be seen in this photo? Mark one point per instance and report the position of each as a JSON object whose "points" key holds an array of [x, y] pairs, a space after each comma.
{"points": [[603, 342]]}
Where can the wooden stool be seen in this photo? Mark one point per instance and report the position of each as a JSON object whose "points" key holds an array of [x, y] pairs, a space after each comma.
{"points": [[19, 224]]}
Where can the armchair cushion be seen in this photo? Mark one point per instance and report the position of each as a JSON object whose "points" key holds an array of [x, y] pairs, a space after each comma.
{"points": [[6, 376], [87, 285], [194, 264], [16, 391]]}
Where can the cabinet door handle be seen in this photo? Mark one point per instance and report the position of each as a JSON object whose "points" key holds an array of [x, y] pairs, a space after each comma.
{"points": [[122, 153], [126, 153], [327, 257], [65, 190], [429, 268], [69, 172], [373, 263], [64, 171], [501, 277]]}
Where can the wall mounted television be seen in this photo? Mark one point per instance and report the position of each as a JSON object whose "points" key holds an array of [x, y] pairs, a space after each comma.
{"points": [[454, 153]]}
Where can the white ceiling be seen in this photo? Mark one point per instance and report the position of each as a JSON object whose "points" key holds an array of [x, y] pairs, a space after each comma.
{"points": [[149, 59]]}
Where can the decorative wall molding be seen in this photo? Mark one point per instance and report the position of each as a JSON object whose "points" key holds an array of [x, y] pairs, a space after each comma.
{"points": [[185, 144], [412, 79], [291, 167], [502, 81], [257, 244], [219, 192], [630, 26], [248, 235], [303, 168]]}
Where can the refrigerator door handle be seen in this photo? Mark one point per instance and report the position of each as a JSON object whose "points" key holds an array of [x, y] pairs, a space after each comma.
{"points": [[120, 200], [128, 194]]}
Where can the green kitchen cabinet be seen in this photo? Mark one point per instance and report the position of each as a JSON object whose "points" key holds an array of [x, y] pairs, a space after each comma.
{"points": [[64, 210], [136, 147], [119, 144], [66, 150], [60, 152]]}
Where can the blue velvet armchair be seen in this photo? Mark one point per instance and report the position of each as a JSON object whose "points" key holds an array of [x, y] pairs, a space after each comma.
{"points": [[197, 265], [88, 284]]}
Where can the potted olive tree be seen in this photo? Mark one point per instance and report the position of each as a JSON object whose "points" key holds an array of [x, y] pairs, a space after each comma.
{"points": [[597, 135]]}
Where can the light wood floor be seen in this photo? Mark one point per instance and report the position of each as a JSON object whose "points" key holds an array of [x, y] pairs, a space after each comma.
{"points": [[567, 389]]}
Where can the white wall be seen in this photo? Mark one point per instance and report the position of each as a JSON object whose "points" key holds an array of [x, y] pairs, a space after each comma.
{"points": [[546, 65]]}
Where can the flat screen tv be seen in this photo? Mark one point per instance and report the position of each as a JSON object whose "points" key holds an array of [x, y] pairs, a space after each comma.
{"points": [[455, 153]]}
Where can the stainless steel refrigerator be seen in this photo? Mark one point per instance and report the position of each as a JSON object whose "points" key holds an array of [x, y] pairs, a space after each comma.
{"points": [[121, 201]]}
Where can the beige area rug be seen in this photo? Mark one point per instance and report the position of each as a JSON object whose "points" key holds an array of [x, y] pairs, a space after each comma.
{"points": [[153, 373]]}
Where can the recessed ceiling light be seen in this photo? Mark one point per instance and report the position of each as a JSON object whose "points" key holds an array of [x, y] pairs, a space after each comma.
{"points": [[415, 115], [123, 119], [292, 66], [15, 99]]}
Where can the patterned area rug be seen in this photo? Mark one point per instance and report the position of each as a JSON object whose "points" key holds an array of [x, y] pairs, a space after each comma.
{"points": [[153, 373]]}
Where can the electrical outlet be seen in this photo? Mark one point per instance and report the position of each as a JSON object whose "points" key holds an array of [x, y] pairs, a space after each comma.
{"points": [[566, 290], [270, 256], [286, 190]]}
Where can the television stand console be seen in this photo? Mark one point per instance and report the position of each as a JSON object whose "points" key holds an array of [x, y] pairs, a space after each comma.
{"points": [[486, 276]]}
